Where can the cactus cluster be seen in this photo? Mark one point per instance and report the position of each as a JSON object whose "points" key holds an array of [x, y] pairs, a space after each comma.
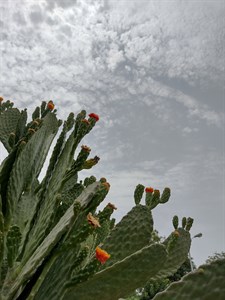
{"points": [[54, 244], [205, 283]]}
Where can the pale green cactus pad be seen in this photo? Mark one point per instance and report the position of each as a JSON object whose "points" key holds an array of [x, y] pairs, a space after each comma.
{"points": [[205, 283]]}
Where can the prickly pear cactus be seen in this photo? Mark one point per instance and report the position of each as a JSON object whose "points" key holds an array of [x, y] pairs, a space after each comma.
{"points": [[205, 283], [53, 242]]}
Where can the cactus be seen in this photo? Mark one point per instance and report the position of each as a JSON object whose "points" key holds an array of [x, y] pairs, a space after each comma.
{"points": [[53, 242], [138, 193], [207, 282]]}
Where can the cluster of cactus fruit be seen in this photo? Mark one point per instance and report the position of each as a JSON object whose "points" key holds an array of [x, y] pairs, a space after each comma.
{"points": [[54, 244]]}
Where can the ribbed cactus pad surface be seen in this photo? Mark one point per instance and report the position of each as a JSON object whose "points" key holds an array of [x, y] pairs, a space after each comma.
{"points": [[206, 283], [131, 234], [8, 123], [121, 278], [178, 248], [28, 167], [51, 240]]}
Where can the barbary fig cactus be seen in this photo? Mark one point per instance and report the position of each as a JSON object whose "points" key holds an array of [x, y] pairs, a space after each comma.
{"points": [[205, 283], [53, 242]]}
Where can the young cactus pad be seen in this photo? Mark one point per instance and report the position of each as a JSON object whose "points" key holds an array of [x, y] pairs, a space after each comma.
{"points": [[51, 237]]}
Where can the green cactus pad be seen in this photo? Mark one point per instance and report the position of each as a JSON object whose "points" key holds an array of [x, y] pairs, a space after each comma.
{"points": [[45, 248], [121, 278], [178, 252], [165, 195], [8, 123], [25, 170], [131, 234], [205, 283], [184, 222], [13, 242], [189, 223], [175, 222], [138, 193]]}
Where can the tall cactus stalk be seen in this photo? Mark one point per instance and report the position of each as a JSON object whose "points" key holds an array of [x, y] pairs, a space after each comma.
{"points": [[53, 242]]}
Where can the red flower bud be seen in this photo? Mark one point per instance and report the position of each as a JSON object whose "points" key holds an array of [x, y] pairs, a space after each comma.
{"points": [[149, 190], [94, 116], [50, 105]]}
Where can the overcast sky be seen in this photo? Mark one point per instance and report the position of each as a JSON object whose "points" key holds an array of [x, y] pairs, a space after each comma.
{"points": [[154, 72]]}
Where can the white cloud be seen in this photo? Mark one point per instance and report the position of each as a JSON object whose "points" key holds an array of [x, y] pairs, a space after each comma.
{"points": [[138, 64]]}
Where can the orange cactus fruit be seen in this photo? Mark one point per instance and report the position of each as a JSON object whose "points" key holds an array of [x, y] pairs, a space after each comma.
{"points": [[101, 255], [149, 190], [94, 116], [106, 185], [50, 105]]}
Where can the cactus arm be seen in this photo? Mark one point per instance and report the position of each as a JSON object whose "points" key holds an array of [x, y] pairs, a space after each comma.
{"points": [[205, 283], [118, 280]]}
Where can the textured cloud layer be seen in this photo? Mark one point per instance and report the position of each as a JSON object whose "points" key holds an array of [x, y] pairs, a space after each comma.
{"points": [[153, 70]]}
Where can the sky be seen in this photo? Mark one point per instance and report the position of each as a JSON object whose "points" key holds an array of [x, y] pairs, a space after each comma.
{"points": [[154, 73]]}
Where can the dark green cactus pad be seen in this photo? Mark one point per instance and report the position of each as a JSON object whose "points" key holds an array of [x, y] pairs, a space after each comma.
{"points": [[12, 243], [189, 223], [175, 222], [205, 283], [8, 123], [184, 222], [138, 193], [21, 125], [154, 199], [131, 234], [121, 278], [178, 248], [1, 248], [165, 195], [102, 232]]}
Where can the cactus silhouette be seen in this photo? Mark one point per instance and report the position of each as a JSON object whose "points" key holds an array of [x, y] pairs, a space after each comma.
{"points": [[53, 242]]}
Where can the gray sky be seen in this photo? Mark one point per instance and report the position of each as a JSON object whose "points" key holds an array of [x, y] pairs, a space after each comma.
{"points": [[154, 72]]}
